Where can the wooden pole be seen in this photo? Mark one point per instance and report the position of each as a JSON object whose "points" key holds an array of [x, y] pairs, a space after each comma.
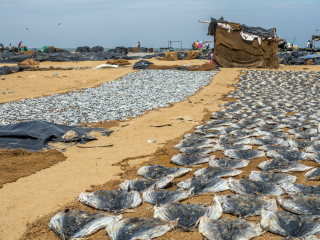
{"points": [[203, 21]]}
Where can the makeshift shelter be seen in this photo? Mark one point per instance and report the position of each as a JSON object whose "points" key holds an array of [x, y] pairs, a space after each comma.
{"points": [[237, 45]]}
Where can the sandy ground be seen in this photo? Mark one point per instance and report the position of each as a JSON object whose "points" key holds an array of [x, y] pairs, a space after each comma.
{"points": [[31, 198]]}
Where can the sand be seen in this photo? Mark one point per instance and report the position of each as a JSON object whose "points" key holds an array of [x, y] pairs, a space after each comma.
{"points": [[31, 201]]}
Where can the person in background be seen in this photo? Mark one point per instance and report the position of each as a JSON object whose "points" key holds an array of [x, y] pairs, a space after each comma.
{"points": [[308, 44], [138, 44], [311, 45], [207, 46], [193, 45], [10, 48], [1, 48], [19, 46], [211, 56], [200, 45], [197, 44]]}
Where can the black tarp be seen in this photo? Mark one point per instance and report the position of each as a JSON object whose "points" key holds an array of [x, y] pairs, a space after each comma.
{"points": [[293, 58], [35, 135], [143, 64], [14, 69], [97, 49], [142, 49], [182, 55], [121, 50], [83, 49]]}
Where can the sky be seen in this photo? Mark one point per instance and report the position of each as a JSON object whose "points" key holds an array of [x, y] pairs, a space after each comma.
{"points": [[112, 23]]}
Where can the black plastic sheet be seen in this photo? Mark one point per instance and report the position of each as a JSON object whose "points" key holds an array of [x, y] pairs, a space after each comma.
{"points": [[143, 64], [7, 70], [35, 135], [97, 49], [83, 49], [182, 55]]}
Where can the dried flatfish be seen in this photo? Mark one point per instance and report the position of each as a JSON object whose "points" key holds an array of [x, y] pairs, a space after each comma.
{"points": [[111, 201], [139, 228], [187, 215], [213, 172], [279, 165], [190, 160], [224, 229], [313, 174], [296, 188], [76, 224], [289, 155], [158, 171], [142, 184], [303, 205], [244, 154], [271, 177], [163, 196], [246, 186], [245, 206], [228, 162]]}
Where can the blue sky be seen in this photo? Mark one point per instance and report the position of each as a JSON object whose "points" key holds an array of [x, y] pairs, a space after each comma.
{"points": [[112, 23]]}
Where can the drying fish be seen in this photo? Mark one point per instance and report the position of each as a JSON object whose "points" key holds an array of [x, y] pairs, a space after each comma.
{"points": [[245, 206], [76, 224], [223, 147], [213, 172], [303, 205], [244, 154], [187, 215], [190, 160], [313, 148], [224, 229], [203, 185], [288, 224], [158, 171], [163, 196], [315, 157], [229, 139], [296, 188], [194, 142], [195, 150], [141, 184], [289, 155], [295, 142], [228, 162], [246, 186], [277, 148], [139, 228], [279, 165], [313, 174], [111, 200], [271, 177], [269, 141]]}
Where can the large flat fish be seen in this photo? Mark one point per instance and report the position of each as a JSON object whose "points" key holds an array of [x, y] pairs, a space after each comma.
{"points": [[228, 162], [159, 171], [224, 229], [195, 142], [289, 225], [279, 165], [139, 228], [142, 184], [213, 172], [300, 204], [244, 154], [163, 196], [196, 150], [76, 224], [290, 155], [271, 177], [187, 215], [296, 188], [190, 160], [111, 201], [246, 206], [246, 187], [202, 185], [313, 174]]}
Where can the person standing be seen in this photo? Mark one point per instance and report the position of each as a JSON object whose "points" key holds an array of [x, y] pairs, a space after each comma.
{"points": [[211, 56], [19, 46], [1, 48], [139, 44], [197, 44], [10, 48], [308, 44], [200, 45], [311, 45]]}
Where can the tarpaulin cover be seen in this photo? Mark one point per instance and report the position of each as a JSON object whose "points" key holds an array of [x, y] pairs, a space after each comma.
{"points": [[315, 38], [83, 49], [310, 56], [97, 49], [231, 50], [35, 135], [143, 64], [14, 69]]}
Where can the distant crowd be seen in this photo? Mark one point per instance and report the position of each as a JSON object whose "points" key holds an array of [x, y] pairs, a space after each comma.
{"points": [[199, 45], [10, 47], [309, 44]]}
